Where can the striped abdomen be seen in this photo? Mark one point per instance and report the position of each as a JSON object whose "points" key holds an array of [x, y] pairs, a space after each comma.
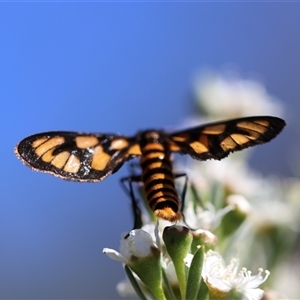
{"points": [[158, 179]]}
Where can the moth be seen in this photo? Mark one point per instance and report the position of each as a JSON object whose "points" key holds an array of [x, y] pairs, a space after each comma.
{"points": [[92, 157]]}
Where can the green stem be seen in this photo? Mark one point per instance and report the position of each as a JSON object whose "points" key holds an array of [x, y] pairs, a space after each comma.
{"points": [[169, 290], [180, 272], [158, 293]]}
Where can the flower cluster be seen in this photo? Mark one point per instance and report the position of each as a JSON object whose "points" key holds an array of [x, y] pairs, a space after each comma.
{"points": [[180, 271], [227, 96], [232, 209]]}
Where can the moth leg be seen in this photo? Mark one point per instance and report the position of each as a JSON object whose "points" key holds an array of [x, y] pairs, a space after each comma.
{"points": [[195, 194], [183, 193], [134, 168], [128, 189], [197, 201]]}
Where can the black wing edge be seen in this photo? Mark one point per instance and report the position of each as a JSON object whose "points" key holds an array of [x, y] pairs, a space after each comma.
{"points": [[24, 151], [276, 125]]}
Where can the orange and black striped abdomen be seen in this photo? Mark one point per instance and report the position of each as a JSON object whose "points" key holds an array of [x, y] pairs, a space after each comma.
{"points": [[158, 179]]}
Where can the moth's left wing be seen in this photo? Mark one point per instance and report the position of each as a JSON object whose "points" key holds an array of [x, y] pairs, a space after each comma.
{"points": [[217, 140], [76, 156]]}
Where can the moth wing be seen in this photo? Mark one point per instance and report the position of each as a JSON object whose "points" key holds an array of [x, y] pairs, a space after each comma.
{"points": [[217, 140], [76, 156]]}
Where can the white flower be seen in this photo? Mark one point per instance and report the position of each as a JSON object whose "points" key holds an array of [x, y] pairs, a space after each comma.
{"points": [[125, 288], [240, 203], [228, 96], [205, 237], [280, 198], [207, 219], [233, 173], [115, 255], [221, 279], [137, 243]]}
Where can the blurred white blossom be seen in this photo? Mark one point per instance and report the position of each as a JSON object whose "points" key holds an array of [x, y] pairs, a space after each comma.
{"points": [[207, 219], [125, 288], [226, 95]]}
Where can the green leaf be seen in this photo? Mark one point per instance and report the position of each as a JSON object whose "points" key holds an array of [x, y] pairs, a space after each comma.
{"points": [[194, 277], [203, 291], [135, 284]]}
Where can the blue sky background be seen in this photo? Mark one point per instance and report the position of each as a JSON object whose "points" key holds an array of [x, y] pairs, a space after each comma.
{"points": [[115, 67]]}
